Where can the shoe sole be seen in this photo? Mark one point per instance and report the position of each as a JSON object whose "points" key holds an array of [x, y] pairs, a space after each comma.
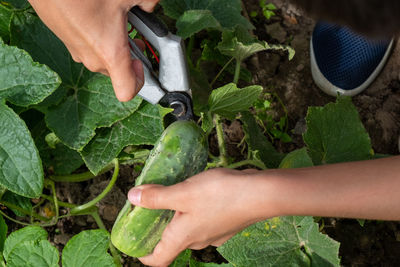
{"points": [[330, 89]]}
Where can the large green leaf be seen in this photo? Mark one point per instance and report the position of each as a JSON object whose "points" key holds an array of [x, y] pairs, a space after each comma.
{"points": [[296, 159], [21, 170], [193, 21], [229, 100], [22, 81], [141, 128], [193, 16], [3, 233], [30, 233], [29, 33], [240, 44], [88, 248], [258, 142], [94, 105], [281, 241], [91, 102], [33, 254], [19, 201], [335, 133], [62, 159]]}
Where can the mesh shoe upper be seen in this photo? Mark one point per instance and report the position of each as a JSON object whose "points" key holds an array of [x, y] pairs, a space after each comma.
{"points": [[345, 59]]}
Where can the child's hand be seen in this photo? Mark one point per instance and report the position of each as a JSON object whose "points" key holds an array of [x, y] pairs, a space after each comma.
{"points": [[95, 33], [210, 207]]}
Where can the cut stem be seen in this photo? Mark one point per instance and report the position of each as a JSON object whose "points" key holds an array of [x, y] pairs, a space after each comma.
{"points": [[97, 199]]}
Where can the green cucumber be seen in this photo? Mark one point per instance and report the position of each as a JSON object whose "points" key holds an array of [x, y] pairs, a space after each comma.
{"points": [[181, 152]]}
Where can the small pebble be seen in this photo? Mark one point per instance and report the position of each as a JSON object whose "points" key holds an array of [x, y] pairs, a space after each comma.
{"points": [[300, 67]]}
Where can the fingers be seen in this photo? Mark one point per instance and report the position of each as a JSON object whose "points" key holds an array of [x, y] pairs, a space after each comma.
{"points": [[160, 197], [164, 253], [147, 5], [171, 244]]}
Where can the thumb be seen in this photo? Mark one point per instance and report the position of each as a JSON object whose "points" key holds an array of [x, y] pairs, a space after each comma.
{"points": [[159, 197], [126, 75]]}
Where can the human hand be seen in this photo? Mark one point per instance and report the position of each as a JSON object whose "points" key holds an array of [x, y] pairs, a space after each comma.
{"points": [[94, 31], [210, 207]]}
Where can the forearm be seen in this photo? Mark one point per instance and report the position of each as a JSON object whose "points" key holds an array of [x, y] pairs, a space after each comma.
{"points": [[368, 189]]}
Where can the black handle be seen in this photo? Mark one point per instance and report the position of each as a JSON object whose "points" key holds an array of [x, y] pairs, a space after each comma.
{"points": [[151, 21]]}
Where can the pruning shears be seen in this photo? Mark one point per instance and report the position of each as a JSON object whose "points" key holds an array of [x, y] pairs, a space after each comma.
{"points": [[170, 85]]}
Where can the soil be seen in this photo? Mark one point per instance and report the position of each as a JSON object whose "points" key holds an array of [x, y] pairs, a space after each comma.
{"points": [[375, 244]]}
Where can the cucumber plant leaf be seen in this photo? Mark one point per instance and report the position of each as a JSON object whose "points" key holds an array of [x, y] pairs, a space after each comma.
{"points": [[281, 241], [182, 259], [143, 127], [17, 4], [335, 133], [203, 14], [94, 105], [298, 158], [88, 248], [229, 100], [258, 142], [185, 259], [19, 201], [240, 44], [22, 81], [193, 21], [29, 233], [33, 253], [84, 101], [211, 53], [22, 171], [5, 21], [3, 233]]}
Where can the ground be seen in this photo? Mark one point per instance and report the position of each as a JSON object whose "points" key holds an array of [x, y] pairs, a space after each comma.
{"points": [[375, 244]]}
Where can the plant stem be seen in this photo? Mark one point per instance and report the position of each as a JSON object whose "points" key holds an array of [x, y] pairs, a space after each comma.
{"points": [[223, 160], [189, 50], [60, 203], [24, 211], [221, 71], [79, 177], [237, 71], [255, 163], [93, 202], [115, 254], [14, 220], [55, 200]]}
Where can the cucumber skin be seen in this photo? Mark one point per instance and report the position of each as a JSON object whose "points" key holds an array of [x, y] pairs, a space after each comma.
{"points": [[180, 153]]}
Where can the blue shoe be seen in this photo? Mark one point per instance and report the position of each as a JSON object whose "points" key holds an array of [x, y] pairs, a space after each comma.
{"points": [[344, 62]]}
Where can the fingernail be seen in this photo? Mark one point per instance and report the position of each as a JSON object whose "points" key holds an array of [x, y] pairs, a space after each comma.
{"points": [[134, 196]]}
